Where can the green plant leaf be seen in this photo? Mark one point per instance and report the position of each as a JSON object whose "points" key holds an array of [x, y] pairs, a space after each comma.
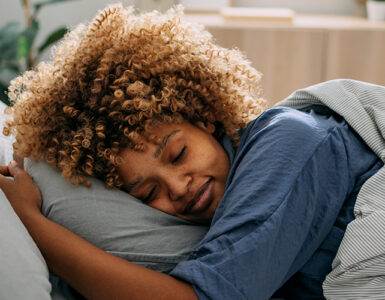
{"points": [[26, 40], [39, 5], [3, 94], [8, 71], [9, 28], [22, 49], [52, 38], [9, 41], [31, 33]]}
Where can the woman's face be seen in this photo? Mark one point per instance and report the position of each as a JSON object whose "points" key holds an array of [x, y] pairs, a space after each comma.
{"points": [[184, 176]]}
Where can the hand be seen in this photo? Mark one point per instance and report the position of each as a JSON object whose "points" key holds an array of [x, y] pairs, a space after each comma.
{"points": [[22, 193]]}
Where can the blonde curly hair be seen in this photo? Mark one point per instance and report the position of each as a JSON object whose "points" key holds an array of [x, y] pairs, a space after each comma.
{"points": [[114, 79]]}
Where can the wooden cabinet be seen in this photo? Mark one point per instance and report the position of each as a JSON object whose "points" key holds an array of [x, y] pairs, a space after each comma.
{"points": [[308, 50]]}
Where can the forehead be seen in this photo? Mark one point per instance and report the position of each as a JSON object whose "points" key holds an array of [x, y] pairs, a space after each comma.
{"points": [[153, 142], [133, 161], [159, 131], [163, 128]]}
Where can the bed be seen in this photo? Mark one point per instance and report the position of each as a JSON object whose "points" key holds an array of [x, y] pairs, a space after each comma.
{"points": [[133, 231]]}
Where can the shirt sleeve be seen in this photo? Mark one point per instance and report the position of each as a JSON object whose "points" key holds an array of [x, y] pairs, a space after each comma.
{"points": [[288, 181]]}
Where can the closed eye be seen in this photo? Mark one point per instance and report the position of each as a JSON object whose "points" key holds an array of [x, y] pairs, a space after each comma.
{"points": [[179, 156], [150, 196]]}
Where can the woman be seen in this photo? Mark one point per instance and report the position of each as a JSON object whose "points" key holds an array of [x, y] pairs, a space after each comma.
{"points": [[151, 105]]}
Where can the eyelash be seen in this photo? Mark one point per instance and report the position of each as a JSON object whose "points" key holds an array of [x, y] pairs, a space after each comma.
{"points": [[179, 156], [149, 197]]}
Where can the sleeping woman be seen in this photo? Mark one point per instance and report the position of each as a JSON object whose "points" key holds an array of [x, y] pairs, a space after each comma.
{"points": [[151, 105]]}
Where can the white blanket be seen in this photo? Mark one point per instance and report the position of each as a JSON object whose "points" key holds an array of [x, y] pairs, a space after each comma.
{"points": [[359, 266]]}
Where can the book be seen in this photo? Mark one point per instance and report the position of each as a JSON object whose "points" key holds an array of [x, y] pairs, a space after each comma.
{"points": [[257, 14]]}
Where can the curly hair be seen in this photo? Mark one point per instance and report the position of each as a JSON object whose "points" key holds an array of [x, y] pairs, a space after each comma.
{"points": [[114, 79]]}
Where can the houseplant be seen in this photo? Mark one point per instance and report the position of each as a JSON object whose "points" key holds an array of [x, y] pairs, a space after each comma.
{"points": [[18, 52], [376, 10]]}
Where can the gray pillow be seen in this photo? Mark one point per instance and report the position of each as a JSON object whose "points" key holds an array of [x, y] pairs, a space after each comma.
{"points": [[115, 221]]}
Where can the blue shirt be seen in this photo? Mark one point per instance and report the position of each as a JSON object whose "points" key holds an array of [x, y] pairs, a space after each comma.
{"points": [[290, 193]]}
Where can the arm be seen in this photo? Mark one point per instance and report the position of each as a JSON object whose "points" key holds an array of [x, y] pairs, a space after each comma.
{"points": [[93, 272]]}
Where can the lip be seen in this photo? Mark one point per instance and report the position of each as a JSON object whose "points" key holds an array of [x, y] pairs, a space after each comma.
{"points": [[202, 199]]}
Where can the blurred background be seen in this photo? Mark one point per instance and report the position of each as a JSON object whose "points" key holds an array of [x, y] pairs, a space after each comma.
{"points": [[308, 42]]}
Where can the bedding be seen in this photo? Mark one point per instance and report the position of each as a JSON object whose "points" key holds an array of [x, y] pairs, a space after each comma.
{"points": [[285, 208], [357, 270], [23, 271], [359, 266]]}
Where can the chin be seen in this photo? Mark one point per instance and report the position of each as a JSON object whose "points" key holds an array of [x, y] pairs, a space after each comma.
{"points": [[209, 214]]}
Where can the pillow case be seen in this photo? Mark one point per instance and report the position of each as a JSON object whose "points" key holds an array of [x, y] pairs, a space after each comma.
{"points": [[115, 221], [23, 272]]}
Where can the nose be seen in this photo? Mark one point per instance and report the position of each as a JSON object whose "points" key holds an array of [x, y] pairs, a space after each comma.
{"points": [[178, 186]]}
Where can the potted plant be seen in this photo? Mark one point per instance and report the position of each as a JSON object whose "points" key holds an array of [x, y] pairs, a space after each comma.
{"points": [[376, 10], [18, 51]]}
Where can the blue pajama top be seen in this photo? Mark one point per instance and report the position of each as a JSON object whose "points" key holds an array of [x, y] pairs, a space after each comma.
{"points": [[289, 195]]}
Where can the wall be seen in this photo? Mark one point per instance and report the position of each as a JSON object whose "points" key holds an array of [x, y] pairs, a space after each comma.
{"points": [[56, 15], [73, 12]]}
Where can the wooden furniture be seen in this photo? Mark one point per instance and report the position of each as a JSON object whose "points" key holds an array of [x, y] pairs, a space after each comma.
{"points": [[305, 51]]}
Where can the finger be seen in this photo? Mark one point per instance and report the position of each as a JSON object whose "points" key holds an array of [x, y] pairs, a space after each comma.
{"points": [[14, 169], [5, 184], [18, 174], [19, 160], [4, 171]]}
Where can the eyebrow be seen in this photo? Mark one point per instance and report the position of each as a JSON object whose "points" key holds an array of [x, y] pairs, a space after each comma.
{"points": [[163, 144], [130, 186]]}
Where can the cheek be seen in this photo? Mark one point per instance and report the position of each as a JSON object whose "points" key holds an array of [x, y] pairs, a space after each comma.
{"points": [[219, 159], [163, 204]]}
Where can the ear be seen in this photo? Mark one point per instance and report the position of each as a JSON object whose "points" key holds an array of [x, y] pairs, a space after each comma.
{"points": [[209, 127]]}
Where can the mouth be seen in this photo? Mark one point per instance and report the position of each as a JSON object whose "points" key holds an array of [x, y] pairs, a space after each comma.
{"points": [[202, 199]]}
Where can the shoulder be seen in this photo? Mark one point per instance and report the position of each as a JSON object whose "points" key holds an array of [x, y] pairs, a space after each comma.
{"points": [[289, 126], [285, 138]]}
